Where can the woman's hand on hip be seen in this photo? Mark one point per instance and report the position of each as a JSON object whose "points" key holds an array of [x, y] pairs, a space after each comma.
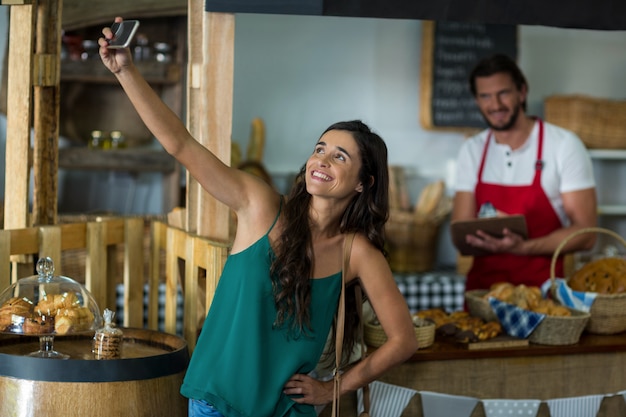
{"points": [[306, 390]]}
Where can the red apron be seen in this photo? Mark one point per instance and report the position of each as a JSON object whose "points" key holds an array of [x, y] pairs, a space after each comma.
{"points": [[541, 219]]}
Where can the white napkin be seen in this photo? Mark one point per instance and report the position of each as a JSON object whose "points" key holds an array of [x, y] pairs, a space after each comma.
{"points": [[386, 400], [444, 405], [585, 406], [518, 408]]}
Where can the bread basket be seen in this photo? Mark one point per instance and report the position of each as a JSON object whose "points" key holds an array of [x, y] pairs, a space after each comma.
{"points": [[560, 330], [553, 330], [375, 336], [478, 306], [608, 311]]}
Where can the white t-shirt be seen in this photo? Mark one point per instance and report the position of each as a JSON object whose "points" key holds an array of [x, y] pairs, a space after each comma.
{"points": [[566, 164]]}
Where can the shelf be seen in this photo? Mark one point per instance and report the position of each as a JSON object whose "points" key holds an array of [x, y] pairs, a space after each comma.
{"points": [[94, 71], [611, 209], [129, 160], [617, 154]]}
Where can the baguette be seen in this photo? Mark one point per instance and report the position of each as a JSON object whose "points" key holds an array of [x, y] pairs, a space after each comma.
{"points": [[429, 199], [257, 141]]}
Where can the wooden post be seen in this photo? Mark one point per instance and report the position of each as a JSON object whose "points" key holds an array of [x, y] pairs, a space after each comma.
{"points": [[46, 79], [210, 98], [19, 94]]}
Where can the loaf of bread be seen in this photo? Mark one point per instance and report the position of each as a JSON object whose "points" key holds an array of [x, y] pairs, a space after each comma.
{"points": [[526, 297], [51, 304], [603, 276], [15, 306], [429, 199], [38, 325], [73, 319]]}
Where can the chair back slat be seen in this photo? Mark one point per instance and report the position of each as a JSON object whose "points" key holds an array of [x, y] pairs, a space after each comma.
{"points": [[5, 258], [198, 253], [133, 273], [50, 246], [96, 264], [158, 241]]}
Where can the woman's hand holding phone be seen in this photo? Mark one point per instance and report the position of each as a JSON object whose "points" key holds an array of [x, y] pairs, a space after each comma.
{"points": [[123, 33], [114, 58]]}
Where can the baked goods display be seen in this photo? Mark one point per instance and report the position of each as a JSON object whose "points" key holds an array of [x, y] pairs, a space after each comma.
{"points": [[603, 276], [57, 313], [460, 325], [527, 298], [45, 304]]}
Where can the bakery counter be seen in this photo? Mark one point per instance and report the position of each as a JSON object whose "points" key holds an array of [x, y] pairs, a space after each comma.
{"points": [[594, 366]]}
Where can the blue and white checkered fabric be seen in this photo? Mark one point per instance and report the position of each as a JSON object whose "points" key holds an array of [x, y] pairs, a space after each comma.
{"points": [[119, 314], [444, 290], [517, 322], [577, 300]]}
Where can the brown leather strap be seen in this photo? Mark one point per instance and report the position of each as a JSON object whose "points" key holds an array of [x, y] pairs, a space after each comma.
{"points": [[341, 312], [359, 308]]}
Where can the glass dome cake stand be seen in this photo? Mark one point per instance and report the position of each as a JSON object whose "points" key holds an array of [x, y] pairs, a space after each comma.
{"points": [[46, 306]]}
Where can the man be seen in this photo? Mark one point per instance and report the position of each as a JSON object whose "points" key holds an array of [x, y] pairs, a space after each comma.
{"points": [[521, 165]]}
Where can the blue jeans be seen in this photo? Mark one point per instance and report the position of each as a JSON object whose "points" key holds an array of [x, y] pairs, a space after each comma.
{"points": [[200, 408]]}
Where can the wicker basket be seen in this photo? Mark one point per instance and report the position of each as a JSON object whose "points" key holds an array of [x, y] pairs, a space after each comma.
{"points": [[478, 306], [560, 330], [553, 330], [412, 243], [608, 311], [375, 336], [600, 123]]}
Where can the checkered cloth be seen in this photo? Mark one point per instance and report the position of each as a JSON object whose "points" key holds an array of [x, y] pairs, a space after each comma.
{"points": [[437, 289], [119, 314], [578, 300], [516, 321]]}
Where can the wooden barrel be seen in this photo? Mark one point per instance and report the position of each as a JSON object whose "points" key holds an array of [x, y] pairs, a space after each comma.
{"points": [[144, 381]]}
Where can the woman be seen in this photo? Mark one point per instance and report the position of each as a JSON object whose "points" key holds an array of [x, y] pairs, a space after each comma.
{"points": [[277, 297]]}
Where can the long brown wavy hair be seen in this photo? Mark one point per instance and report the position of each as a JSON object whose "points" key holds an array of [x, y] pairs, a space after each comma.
{"points": [[367, 213]]}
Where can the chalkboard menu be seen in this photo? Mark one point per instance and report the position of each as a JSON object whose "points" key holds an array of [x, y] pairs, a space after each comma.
{"points": [[449, 52]]}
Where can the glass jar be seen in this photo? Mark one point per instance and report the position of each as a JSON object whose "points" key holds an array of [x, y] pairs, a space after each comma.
{"points": [[95, 142], [118, 141]]}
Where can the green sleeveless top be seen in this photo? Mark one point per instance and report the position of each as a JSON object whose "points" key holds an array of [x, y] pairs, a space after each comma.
{"points": [[241, 361]]}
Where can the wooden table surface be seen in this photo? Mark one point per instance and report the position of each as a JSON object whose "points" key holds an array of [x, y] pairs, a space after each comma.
{"points": [[588, 343]]}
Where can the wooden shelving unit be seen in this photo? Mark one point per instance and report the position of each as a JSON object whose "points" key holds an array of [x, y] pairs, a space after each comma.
{"points": [[91, 99]]}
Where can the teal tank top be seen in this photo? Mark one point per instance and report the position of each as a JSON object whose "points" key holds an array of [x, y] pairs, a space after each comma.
{"points": [[241, 361]]}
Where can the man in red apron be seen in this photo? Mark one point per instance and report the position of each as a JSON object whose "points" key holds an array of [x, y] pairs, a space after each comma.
{"points": [[521, 165]]}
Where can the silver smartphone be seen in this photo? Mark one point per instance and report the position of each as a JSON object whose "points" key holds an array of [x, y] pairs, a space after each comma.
{"points": [[123, 33]]}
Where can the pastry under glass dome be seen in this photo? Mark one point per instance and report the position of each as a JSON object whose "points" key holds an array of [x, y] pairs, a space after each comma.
{"points": [[46, 305]]}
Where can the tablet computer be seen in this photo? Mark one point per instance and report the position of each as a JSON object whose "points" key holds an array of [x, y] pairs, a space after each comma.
{"points": [[491, 225]]}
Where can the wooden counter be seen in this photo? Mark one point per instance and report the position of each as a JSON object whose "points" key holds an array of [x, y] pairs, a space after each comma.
{"points": [[595, 365]]}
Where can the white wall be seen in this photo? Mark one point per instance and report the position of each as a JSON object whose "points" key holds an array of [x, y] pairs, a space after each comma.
{"points": [[301, 73]]}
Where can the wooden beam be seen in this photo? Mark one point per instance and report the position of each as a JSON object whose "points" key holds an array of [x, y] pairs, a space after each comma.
{"points": [[19, 94], [210, 98], [46, 105]]}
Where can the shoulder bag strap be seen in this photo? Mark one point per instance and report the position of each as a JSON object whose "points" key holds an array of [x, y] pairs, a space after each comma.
{"points": [[359, 308], [341, 311], [347, 247]]}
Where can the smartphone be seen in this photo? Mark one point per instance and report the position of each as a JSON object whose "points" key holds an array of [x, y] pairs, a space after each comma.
{"points": [[123, 33]]}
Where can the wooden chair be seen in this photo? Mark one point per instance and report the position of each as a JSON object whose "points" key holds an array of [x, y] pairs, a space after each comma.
{"points": [[203, 260], [99, 239]]}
